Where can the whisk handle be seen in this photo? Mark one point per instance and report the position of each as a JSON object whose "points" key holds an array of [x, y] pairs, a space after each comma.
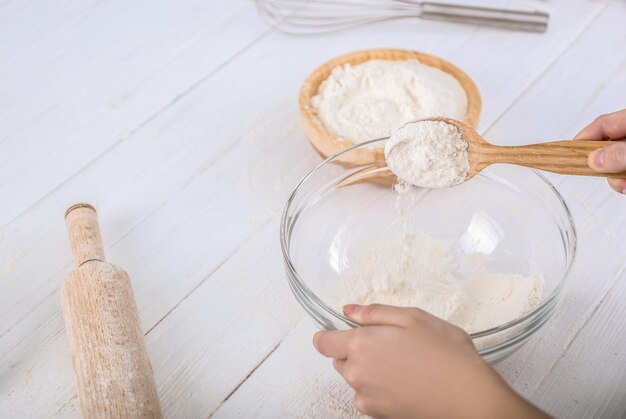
{"points": [[534, 21]]}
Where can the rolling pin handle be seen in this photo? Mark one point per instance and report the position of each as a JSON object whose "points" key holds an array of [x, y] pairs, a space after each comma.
{"points": [[84, 233]]}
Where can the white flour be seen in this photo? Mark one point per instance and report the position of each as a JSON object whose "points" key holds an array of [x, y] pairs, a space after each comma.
{"points": [[431, 154], [415, 270], [373, 99]]}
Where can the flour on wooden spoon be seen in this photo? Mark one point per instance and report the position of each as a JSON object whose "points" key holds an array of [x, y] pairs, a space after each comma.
{"points": [[430, 154]]}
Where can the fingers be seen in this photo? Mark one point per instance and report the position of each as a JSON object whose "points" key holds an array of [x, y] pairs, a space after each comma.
{"points": [[611, 126], [340, 365], [333, 343], [373, 404], [611, 159], [363, 404], [379, 314]]}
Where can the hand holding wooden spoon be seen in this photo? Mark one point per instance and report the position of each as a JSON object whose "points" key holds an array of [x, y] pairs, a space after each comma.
{"points": [[564, 157], [611, 126]]}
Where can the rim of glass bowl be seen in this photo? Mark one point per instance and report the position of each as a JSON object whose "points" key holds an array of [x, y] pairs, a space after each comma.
{"points": [[296, 280]]}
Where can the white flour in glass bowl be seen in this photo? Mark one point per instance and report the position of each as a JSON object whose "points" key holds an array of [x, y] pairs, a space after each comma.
{"points": [[416, 270], [371, 100]]}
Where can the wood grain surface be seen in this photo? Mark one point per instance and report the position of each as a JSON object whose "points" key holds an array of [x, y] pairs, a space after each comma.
{"points": [[564, 157]]}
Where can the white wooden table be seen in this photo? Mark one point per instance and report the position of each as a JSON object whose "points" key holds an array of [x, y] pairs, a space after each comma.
{"points": [[178, 121]]}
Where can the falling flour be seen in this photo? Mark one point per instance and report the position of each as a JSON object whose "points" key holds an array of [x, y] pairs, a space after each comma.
{"points": [[431, 154], [416, 270], [373, 99]]}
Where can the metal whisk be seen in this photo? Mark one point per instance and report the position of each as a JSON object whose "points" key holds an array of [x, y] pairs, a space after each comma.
{"points": [[303, 17]]}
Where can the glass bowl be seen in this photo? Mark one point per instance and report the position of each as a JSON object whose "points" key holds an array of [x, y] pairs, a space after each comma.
{"points": [[509, 215]]}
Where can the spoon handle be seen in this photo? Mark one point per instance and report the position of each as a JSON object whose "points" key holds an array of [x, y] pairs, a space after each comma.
{"points": [[566, 157]]}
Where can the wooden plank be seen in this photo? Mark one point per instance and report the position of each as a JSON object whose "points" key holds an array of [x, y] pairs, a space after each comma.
{"points": [[295, 382], [591, 380], [250, 310], [23, 24], [91, 83]]}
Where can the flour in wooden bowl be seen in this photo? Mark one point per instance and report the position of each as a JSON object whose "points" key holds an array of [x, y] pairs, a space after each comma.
{"points": [[373, 99]]}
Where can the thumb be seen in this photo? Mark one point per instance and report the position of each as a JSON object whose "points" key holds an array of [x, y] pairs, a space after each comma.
{"points": [[611, 159], [379, 314]]}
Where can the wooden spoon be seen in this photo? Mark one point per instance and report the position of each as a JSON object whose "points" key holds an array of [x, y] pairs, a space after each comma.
{"points": [[567, 157]]}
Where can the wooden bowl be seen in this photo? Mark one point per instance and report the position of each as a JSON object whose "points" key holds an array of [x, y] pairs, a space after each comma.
{"points": [[327, 143]]}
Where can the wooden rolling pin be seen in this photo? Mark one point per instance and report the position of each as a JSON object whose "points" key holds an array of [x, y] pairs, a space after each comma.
{"points": [[113, 372]]}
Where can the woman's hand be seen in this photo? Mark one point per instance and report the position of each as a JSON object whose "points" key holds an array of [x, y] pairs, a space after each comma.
{"points": [[611, 159], [406, 363]]}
